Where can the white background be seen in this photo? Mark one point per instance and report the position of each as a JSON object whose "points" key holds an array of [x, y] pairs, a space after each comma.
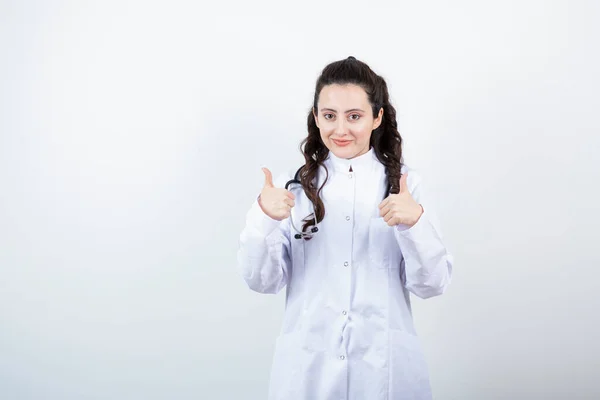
{"points": [[131, 139]]}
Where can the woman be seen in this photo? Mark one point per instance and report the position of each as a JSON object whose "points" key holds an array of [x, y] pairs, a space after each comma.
{"points": [[348, 331]]}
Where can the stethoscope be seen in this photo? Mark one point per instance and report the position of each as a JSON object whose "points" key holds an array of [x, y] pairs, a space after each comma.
{"points": [[299, 234]]}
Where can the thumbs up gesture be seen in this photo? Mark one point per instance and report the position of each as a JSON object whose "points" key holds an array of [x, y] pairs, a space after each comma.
{"points": [[400, 208], [277, 203]]}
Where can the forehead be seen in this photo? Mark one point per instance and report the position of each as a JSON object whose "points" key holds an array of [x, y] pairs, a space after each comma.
{"points": [[343, 96]]}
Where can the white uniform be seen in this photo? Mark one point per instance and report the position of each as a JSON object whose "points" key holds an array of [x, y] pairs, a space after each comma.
{"points": [[348, 331]]}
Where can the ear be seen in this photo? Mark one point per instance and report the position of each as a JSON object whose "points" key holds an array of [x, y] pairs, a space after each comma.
{"points": [[316, 117], [378, 120]]}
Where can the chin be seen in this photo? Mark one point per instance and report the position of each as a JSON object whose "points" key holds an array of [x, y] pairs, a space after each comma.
{"points": [[346, 152]]}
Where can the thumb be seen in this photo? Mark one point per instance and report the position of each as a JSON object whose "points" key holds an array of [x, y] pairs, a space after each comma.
{"points": [[268, 177], [403, 183]]}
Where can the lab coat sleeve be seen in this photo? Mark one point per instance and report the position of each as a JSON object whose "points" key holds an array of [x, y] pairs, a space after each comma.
{"points": [[427, 262], [264, 249]]}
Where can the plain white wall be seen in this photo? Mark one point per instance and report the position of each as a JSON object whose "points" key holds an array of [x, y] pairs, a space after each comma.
{"points": [[131, 136]]}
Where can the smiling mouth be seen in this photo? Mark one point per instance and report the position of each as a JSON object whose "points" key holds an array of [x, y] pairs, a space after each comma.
{"points": [[341, 142]]}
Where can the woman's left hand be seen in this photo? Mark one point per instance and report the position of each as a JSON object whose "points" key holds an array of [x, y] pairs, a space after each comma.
{"points": [[400, 208]]}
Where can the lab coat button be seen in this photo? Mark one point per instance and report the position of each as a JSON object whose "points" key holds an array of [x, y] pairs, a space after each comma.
{"points": [[347, 218], [350, 175], [344, 312], [342, 357], [345, 263]]}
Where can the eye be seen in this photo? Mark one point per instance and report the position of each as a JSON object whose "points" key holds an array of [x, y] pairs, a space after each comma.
{"points": [[326, 115], [355, 115]]}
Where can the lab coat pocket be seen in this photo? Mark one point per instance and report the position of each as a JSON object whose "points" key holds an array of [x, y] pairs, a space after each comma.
{"points": [[382, 244], [409, 376]]}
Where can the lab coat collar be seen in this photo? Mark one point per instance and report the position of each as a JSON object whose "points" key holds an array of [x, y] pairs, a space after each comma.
{"points": [[343, 165]]}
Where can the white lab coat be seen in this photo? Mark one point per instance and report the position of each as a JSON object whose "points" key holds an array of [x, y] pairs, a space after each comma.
{"points": [[347, 330]]}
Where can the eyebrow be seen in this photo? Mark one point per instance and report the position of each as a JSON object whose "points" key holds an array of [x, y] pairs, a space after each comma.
{"points": [[347, 111]]}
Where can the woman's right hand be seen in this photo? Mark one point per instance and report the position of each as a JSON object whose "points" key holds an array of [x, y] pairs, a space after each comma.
{"points": [[277, 203]]}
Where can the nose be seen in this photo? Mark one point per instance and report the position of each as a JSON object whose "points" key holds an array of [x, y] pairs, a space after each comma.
{"points": [[340, 127]]}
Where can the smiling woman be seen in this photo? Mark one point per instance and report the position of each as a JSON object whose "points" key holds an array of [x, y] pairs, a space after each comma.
{"points": [[348, 331], [345, 119]]}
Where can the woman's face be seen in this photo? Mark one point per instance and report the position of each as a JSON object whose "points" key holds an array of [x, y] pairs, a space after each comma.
{"points": [[345, 119]]}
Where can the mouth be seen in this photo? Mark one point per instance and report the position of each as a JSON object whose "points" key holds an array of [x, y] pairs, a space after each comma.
{"points": [[341, 142]]}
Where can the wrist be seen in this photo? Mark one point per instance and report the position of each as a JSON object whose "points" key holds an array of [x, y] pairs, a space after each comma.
{"points": [[261, 205], [418, 214]]}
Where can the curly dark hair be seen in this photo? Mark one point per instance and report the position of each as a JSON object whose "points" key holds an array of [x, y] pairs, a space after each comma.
{"points": [[385, 140]]}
